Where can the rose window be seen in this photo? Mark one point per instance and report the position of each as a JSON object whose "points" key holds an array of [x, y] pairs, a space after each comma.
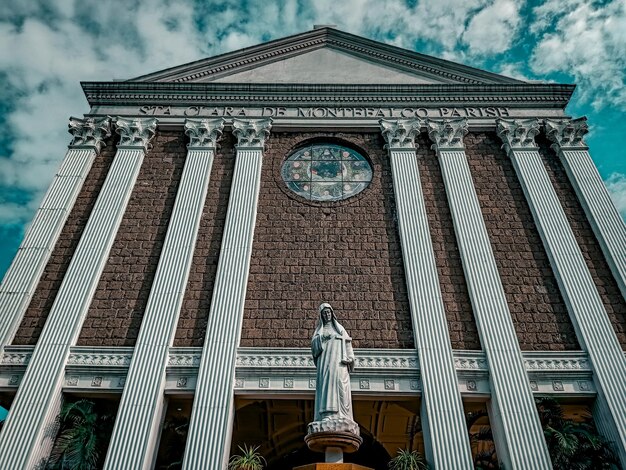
{"points": [[326, 172]]}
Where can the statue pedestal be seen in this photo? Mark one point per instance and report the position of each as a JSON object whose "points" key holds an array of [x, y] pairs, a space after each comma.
{"points": [[333, 437], [332, 466], [327, 440]]}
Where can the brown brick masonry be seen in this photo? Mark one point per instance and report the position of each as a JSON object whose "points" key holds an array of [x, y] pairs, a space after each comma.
{"points": [[600, 272], [347, 253], [193, 315], [120, 299], [43, 298], [537, 308], [461, 322]]}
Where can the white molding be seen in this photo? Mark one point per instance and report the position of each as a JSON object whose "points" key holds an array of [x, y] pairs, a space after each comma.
{"points": [[607, 224], [589, 318], [446, 443], [509, 381], [23, 439], [213, 405], [22, 277], [571, 368]]}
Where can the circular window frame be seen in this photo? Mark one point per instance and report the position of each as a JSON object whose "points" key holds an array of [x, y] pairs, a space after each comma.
{"points": [[324, 140]]}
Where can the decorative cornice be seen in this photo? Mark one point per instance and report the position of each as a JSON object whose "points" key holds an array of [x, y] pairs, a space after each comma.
{"points": [[16, 356], [447, 134], [100, 357], [203, 133], [518, 134], [89, 132], [567, 134], [251, 133], [263, 94], [470, 361], [135, 133], [184, 357], [400, 134], [542, 362]]}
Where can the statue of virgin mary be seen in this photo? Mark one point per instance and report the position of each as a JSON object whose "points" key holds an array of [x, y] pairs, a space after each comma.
{"points": [[334, 358]]}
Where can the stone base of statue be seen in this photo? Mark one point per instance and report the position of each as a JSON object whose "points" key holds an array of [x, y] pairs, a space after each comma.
{"points": [[333, 437], [332, 466]]}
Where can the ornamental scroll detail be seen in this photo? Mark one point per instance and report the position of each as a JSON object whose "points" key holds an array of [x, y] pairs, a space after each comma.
{"points": [[89, 132]]}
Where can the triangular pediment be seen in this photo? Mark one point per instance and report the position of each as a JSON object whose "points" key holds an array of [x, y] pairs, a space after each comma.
{"points": [[326, 56]]}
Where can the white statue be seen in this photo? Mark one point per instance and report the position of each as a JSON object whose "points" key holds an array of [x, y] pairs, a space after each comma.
{"points": [[334, 359], [334, 430]]}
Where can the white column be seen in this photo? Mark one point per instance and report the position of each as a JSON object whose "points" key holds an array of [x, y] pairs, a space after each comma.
{"points": [[520, 442], [592, 324], [23, 440], [605, 221], [21, 280], [445, 435], [137, 426], [210, 428]]}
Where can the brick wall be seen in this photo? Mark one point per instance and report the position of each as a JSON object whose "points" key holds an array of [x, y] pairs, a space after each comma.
{"points": [[347, 253], [193, 315], [605, 282], [537, 308], [120, 299], [461, 322], [46, 291]]}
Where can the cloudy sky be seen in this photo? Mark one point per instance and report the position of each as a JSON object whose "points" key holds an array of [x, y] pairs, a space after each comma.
{"points": [[48, 46]]}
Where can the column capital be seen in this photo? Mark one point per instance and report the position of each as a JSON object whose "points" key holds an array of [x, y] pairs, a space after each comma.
{"points": [[400, 134], [518, 134], [89, 132], [567, 134], [135, 133], [447, 134], [252, 133], [203, 133]]}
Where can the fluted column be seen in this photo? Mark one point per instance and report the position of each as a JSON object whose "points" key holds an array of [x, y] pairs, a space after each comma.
{"points": [[445, 436], [23, 440], [590, 320], [137, 426], [21, 280], [210, 428], [605, 221], [520, 442]]}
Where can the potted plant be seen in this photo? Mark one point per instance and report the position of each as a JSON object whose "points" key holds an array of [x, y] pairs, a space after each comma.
{"points": [[82, 438], [407, 460], [573, 444], [481, 441], [249, 459]]}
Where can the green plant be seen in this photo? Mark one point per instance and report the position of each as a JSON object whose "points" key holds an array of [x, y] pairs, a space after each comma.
{"points": [[406, 460], [483, 446], [250, 459], [82, 438], [573, 445]]}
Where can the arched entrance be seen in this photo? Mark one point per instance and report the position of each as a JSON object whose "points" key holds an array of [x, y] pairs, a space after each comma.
{"points": [[278, 427]]}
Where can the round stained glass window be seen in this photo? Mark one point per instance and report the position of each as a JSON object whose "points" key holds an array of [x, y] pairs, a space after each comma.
{"points": [[326, 172]]}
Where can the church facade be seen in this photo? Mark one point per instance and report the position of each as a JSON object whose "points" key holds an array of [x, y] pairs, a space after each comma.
{"points": [[452, 217]]}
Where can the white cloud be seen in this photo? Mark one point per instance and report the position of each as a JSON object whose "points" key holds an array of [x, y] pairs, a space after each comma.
{"points": [[616, 184], [586, 40], [493, 29]]}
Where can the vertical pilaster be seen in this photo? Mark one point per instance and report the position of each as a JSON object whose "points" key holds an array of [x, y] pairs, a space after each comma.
{"points": [[23, 442], [21, 280], [445, 435], [592, 325], [520, 442], [210, 428], [137, 426], [605, 221]]}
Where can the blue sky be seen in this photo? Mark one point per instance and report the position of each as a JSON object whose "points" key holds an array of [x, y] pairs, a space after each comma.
{"points": [[48, 46]]}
